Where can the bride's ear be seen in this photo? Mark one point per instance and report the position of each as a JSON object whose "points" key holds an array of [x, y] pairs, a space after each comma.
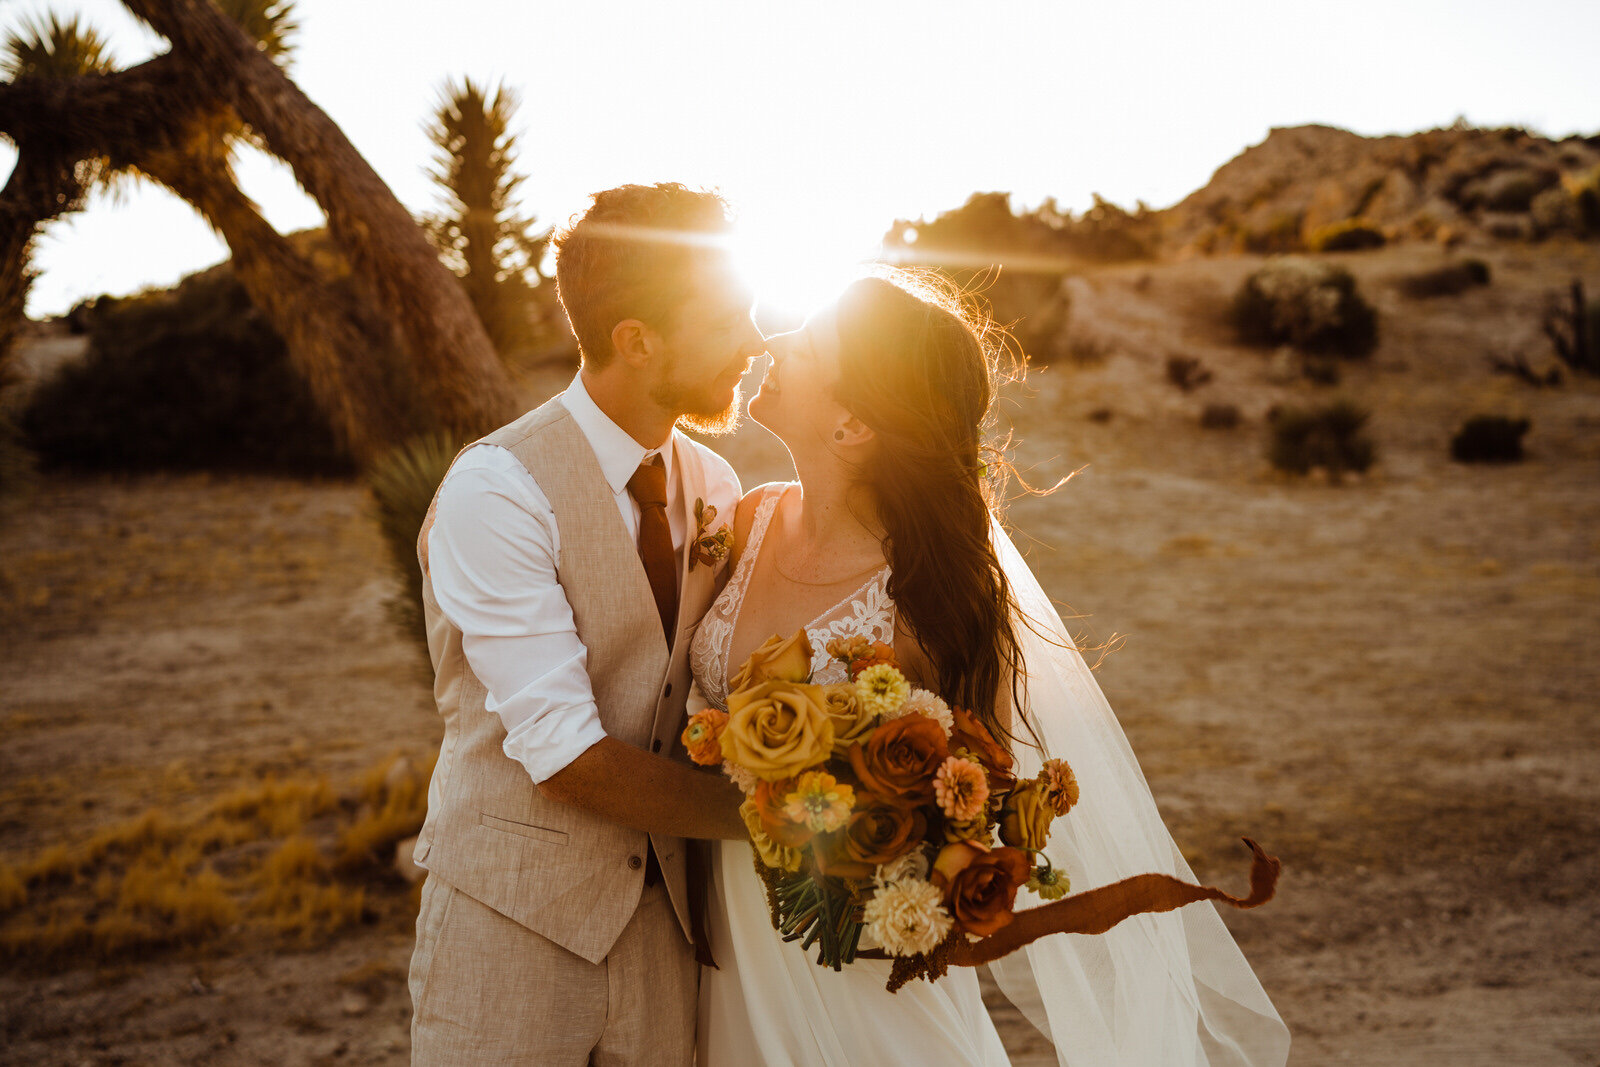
{"points": [[851, 432]]}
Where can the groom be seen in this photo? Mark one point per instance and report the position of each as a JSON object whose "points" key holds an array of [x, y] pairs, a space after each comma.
{"points": [[562, 586]]}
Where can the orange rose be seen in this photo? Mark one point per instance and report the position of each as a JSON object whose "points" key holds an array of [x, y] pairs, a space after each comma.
{"points": [[980, 884], [777, 659], [876, 833], [899, 760], [972, 735], [769, 801], [703, 736]]}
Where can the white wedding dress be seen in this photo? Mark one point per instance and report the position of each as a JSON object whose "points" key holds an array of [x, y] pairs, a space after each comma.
{"points": [[1157, 990], [769, 1002]]}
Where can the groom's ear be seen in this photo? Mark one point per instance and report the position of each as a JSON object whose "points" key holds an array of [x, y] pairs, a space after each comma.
{"points": [[635, 343]]}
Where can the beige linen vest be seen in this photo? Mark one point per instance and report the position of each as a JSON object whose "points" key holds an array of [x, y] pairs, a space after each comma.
{"points": [[558, 870]]}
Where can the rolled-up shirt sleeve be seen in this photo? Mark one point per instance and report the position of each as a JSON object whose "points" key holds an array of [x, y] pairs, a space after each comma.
{"points": [[492, 558]]}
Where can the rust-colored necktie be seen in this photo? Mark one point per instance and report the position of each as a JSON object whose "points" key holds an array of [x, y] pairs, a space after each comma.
{"points": [[648, 487]]}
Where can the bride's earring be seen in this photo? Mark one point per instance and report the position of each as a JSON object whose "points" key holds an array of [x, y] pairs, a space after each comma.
{"points": [[838, 435]]}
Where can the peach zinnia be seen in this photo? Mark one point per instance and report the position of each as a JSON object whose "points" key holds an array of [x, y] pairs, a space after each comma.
{"points": [[961, 789]]}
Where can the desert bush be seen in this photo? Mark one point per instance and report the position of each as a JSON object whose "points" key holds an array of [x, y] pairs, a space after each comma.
{"points": [[1312, 305], [17, 468], [1573, 327], [189, 379], [1219, 417], [1447, 280], [1330, 437], [1489, 439], [402, 484], [255, 861], [1351, 235], [1320, 370], [1187, 372]]}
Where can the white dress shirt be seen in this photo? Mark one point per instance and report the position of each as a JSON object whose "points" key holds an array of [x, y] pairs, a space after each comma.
{"points": [[492, 556]]}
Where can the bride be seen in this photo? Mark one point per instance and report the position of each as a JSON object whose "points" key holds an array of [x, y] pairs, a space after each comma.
{"points": [[889, 534]]}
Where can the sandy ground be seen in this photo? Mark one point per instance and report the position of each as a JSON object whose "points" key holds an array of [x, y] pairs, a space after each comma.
{"points": [[1390, 684]]}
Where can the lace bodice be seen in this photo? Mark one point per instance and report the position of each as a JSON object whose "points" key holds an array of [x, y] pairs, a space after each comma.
{"points": [[867, 612]]}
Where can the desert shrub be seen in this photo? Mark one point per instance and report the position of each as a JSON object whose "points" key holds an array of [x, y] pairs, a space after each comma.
{"points": [[1331, 437], [1447, 280], [1219, 417], [1573, 327], [402, 483], [1312, 305], [1514, 190], [275, 857], [1187, 372], [17, 472], [189, 379], [1489, 439], [1351, 235], [1320, 370]]}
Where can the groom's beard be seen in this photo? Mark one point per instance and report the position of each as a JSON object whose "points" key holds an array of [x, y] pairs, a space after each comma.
{"points": [[719, 424], [695, 413]]}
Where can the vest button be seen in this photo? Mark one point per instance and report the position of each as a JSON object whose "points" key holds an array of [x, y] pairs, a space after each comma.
{"points": [[635, 862], [655, 746], [668, 691]]}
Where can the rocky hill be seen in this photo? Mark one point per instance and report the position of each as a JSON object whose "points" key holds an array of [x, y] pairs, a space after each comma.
{"points": [[1304, 184]]}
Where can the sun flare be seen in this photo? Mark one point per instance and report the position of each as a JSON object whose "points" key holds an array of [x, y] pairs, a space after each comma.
{"points": [[794, 271]]}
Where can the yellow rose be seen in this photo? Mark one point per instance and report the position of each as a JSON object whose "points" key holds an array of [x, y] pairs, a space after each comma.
{"points": [[851, 723], [778, 659], [771, 853], [777, 729], [1025, 820]]}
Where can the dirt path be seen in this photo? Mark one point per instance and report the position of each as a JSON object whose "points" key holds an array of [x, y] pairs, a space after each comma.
{"points": [[1390, 684]]}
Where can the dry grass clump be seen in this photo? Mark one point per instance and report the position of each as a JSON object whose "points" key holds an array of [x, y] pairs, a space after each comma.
{"points": [[258, 860]]}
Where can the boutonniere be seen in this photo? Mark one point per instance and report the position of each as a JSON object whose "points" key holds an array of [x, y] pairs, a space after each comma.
{"points": [[710, 547]]}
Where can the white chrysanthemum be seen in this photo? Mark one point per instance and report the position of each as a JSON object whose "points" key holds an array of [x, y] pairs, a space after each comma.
{"points": [[922, 702], [906, 918], [882, 691], [745, 779], [912, 865]]}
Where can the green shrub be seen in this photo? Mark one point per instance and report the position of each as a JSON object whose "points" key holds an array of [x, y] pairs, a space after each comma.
{"points": [[1331, 437], [193, 378], [1489, 439], [1312, 305], [1351, 235], [1447, 280], [403, 483]]}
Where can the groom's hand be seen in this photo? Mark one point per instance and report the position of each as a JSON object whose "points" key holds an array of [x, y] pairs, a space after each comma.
{"points": [[637, 789]]}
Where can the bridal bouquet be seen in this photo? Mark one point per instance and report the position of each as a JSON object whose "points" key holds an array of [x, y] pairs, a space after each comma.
{"points": [[874, 808]]}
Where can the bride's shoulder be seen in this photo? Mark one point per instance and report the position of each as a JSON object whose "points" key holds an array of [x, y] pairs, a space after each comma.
{"points": [[744, 516]]}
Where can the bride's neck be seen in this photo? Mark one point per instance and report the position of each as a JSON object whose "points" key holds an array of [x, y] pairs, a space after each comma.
{"points": [[834, 512]]}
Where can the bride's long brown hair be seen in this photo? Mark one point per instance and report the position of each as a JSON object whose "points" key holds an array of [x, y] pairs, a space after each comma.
{"points": [[921, 371]]}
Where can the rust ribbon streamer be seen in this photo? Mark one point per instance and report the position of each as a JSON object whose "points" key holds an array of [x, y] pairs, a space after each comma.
{"points": [[1098, 910]]}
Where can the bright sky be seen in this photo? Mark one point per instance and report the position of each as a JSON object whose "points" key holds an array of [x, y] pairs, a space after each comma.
{"points": [[824, 121]]}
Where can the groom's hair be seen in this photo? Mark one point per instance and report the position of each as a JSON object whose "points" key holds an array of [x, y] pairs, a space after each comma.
{"points": [[633, 255]]}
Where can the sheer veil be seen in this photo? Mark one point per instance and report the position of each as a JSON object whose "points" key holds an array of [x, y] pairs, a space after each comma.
{"points": [[1157, 990]]}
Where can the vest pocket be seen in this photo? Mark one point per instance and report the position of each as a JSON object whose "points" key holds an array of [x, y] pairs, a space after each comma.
{"points": [[522, 829]]}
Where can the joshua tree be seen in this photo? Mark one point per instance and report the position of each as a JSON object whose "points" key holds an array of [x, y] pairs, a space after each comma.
{"points": [[480, 234], [452, 356], [174, 119]]}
